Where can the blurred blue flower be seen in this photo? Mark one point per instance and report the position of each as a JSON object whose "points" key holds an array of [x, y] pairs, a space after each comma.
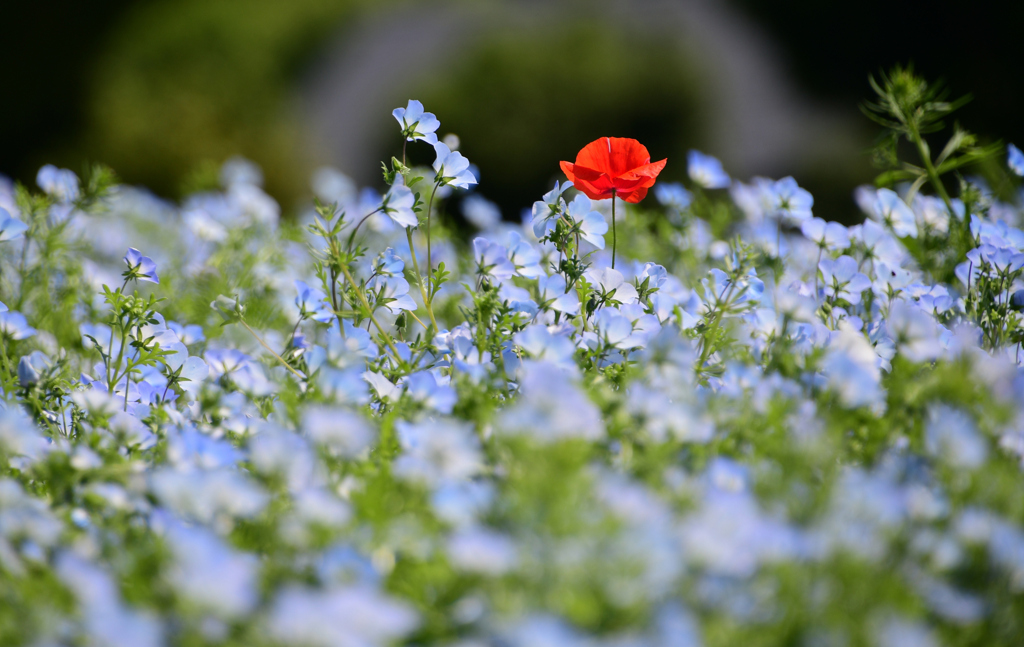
{"points": [[706, 171], [10, 227], [1015, 159]]}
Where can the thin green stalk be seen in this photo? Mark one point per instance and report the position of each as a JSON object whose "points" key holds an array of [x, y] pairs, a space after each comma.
{"points": [[933, 175], [271, 350], [430, 208], [613, 229], [366, 304], [419, 278]]}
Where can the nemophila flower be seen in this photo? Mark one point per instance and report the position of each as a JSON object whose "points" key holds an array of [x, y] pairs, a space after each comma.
{"points": [[58, 183], [492, 260], [483, 551], [550, 407], [338, 616], [438, 451], [890, 209], [828, 235], [524, 256], [343, 432], [10, 227], [417, 124], [673, 195], [394, 293], [552, 294], [106, 618], [424, 387], [452, 168], [546, 210], [15, 325], [541, 344], [481, 212], [398, 205], [842, 280], [593, 226], [876, 243], [613, 166], [141, 267], [706, 171], [388, 263], [852, 370], [609, 284], [950, 434], [789, 201], [1015, 159], [209, 573]]}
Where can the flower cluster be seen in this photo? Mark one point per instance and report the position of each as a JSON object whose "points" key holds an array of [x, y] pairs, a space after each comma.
{"points": [[353, 428]]}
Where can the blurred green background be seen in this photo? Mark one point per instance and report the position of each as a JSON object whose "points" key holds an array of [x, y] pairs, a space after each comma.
{"points": [[165, 90]]}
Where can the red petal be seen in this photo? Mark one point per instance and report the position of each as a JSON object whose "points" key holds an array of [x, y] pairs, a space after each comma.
{"points": [[613, 155]]}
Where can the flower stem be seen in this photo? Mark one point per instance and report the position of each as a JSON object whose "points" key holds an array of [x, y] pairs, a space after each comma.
{"points": [[271, 350], [366, 304], [613, 229], [430, 208], [419, 278]]}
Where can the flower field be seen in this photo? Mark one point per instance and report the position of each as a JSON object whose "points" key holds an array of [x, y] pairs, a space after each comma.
{"points": [[648, 414]]}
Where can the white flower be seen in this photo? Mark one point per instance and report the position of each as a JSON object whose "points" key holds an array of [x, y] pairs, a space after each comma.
{"points": [[452, 168], [417, 124]]}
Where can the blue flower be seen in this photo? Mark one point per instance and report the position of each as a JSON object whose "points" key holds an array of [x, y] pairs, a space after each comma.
{"points": [[143, 266], [452, 168], [790, 201], [59, 183], [1015, 159], [14, 325], [672, 194], [417, 124], [10, 227], [706, 171], [398, 205], [592, 224]]}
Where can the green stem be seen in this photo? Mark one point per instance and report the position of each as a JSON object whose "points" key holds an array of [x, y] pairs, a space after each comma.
{"points": [[613, 229], [430, 208], [419, 278], [366, 304], [933, 175], [271, 350]]}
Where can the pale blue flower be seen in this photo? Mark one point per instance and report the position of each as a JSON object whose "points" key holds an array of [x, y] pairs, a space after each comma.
{"points": [[541, 344], [395, 295], [842, 280], [593, 226], [15, 325], [892, 211], [546, 210], [829, 235], [417, 124], [481, 212], [492, 260], [789, 201], [673, 195], [143, 265], [706, 171], [58, 183], [424, 387], [312, 303], [398, 205], [10, 227], [452, 168], [1015, 159]]}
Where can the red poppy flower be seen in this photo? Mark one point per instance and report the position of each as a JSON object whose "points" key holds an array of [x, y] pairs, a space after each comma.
{"points": [[613, 166]]}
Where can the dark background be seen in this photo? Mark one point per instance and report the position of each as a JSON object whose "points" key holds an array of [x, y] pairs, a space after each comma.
{"points": [[67, 65]]}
